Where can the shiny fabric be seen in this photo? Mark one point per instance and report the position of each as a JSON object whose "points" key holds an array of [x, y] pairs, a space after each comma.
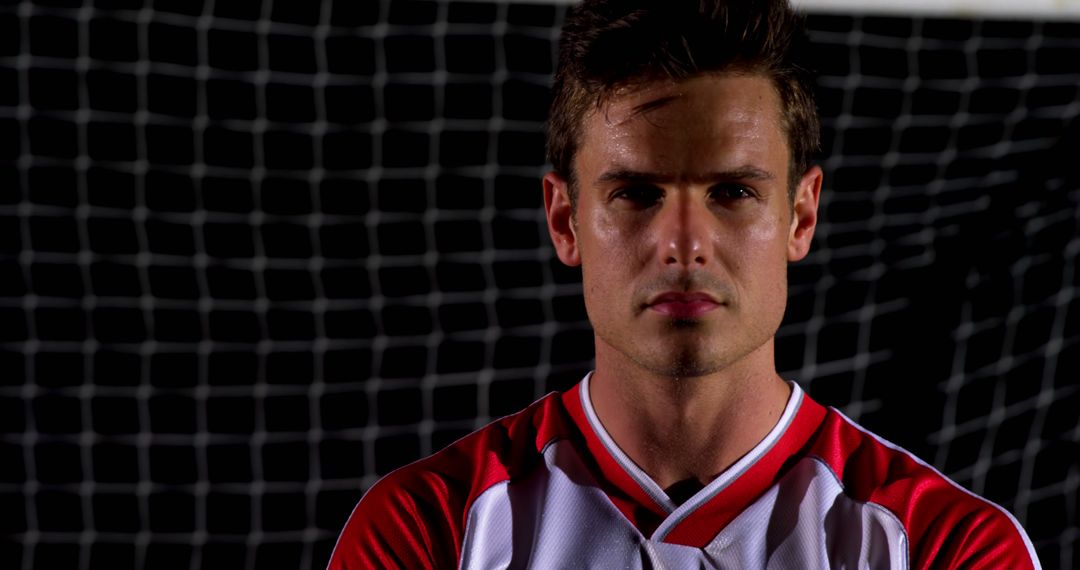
{"points": [[548, 488]]}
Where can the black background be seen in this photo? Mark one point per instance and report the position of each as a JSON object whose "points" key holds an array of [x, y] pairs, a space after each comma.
{"points": [[255, 254]]}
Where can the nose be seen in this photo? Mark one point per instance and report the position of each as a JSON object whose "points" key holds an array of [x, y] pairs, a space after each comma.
{"points": [[684, 225]]}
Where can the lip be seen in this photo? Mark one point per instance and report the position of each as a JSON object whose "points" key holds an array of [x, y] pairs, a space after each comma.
{"points": [[683, 305]]}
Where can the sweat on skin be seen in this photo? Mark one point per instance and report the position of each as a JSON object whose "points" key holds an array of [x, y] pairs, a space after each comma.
{"points": [[684, 226]]}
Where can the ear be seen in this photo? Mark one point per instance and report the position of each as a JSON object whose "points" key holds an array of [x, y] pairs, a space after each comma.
{"points": [[804, 216], [560, 219]]}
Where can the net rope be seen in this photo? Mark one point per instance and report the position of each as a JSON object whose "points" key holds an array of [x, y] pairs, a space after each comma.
{"points": [[259, 254]]}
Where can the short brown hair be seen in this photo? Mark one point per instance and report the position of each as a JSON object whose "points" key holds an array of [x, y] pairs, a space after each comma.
{"points": [[610, 44]]}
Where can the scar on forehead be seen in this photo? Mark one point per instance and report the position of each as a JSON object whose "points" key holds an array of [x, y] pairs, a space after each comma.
{"points": [[653, 104], [639, 109]]}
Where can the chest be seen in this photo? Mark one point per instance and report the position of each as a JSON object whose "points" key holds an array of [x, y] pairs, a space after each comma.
{"points": [[559, 517]]}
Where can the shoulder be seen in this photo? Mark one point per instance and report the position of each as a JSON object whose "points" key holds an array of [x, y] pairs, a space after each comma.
{"points": [[415, 516], [946, 525]]}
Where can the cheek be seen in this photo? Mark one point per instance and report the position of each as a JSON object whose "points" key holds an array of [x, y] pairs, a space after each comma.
{"points": [[616, 241], [757, 253], [766, 231]]}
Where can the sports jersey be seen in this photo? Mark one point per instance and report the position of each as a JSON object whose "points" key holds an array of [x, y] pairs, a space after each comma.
{"points": [[549, 488]]}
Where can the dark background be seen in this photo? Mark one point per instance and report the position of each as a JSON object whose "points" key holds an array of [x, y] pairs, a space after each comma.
{"points": [[255, 254]]}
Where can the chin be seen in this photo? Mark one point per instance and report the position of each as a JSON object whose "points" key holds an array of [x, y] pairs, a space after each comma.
{"points": [[685, 362], [679, 350]]}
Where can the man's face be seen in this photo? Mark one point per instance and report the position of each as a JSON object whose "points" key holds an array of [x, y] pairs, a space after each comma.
{"points": [[683, 224]]}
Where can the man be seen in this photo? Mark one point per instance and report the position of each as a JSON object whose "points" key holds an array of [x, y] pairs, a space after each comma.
{"points": [[680, 135]]}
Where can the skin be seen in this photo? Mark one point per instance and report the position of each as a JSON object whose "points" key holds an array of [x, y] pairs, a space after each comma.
{"points": [[683, 189]]}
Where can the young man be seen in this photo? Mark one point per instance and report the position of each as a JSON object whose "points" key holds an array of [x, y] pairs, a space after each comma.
{"points": [[680, 136]]}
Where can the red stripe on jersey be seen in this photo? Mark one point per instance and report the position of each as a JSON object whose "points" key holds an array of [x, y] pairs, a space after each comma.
{"points": [[415, 516], [623, 491], [704, 523], [945, 523], [418, 516]]}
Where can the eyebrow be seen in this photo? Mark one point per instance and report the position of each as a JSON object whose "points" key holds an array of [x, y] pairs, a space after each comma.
{"points": [[634, 176]]}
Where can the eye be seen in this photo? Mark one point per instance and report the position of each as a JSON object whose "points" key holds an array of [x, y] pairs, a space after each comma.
{"points": [[731, 192], [639, 195]]}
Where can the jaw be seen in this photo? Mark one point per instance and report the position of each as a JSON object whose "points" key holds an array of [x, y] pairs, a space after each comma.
{"points": [[684, 352], [678, 348], [660, 387]]}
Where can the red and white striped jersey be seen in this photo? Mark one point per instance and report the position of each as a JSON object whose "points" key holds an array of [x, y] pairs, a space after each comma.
{"points": [[548, 488]]}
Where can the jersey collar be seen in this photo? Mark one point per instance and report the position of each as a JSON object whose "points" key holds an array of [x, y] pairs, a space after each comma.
{"points": [[700, 518]]}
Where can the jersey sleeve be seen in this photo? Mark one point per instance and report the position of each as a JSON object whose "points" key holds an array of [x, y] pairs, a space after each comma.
{"points": [[402, 522], [415, 517], [946, 525], [988, 539]]}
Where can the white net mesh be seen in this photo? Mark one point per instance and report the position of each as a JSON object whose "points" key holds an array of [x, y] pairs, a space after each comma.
{"points": [[256, 254]]}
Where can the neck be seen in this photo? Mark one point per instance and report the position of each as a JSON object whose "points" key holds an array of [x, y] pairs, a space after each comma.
{"points": [[683, 432]]}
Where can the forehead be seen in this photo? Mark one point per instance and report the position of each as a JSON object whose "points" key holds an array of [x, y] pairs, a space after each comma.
{"points": [[693, 126]]}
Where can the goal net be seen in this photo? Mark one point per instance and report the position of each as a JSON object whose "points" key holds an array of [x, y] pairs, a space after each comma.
{"points": [[256, 254]]}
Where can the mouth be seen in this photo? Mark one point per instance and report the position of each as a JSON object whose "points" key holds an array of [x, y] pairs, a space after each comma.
{"points": [[683, 305]]}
